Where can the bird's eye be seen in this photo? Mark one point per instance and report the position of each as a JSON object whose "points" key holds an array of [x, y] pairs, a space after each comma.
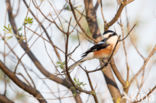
{"points": [[110, 35], [113, 34]]}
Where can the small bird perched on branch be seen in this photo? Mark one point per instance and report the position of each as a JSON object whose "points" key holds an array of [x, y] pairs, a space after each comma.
{"points": [[101, 50]]}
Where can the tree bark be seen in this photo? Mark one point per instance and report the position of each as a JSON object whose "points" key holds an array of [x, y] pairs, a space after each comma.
{"points": [[4, 99]]}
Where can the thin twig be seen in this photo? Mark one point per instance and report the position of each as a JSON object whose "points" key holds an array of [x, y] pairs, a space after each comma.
{"points": [[72, 9], [91, 86], [66, 63], [117, 73], [144, 65], [19, 60], [44, 29], [137, 49], [151, 91], [118, 13], [75, 47], [128, 33]]}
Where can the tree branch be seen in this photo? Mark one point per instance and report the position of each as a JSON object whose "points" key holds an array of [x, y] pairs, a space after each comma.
{"points": [[144, 65], [151, 91], [117, 73], [77, 21], [21, 84], [44, 29], [91, 19], [117, 15], [4, 99], [47, 74]]}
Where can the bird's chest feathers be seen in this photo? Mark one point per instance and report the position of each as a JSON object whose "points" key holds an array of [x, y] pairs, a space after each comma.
{"points": [[103, 53]]}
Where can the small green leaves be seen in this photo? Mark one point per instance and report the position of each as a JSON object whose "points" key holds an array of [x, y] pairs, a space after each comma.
{"points": [[8, 29], [19, 29], [8, 37], [78, 83], [60, 64], [67, 7], [20, 37], [28, 20]]}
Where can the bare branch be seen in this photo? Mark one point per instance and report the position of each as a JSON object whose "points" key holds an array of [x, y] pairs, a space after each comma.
{"points": [[128, 33], [150, 92], [144, 65], [91, 19], [30, 54], [117, 15], [4, 99], [18, 8], [21, 84], [45, 31], [91, 86], [77, 21], [117, 73]]}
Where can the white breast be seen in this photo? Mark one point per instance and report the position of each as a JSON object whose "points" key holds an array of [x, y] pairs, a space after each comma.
{"points": [[112, 41]]}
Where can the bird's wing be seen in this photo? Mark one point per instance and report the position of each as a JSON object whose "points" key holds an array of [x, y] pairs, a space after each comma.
{"points": [[96, 47]]}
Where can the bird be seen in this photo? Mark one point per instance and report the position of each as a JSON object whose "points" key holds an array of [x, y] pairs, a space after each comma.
{"points": [[101, 50]]}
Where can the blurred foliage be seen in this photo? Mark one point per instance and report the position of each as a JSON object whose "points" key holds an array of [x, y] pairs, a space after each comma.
{"points": [[78, 83], [28, 20], [8, 37], [67, 7], [19, 29], [8, 29], [21, 37], [60, 64]]}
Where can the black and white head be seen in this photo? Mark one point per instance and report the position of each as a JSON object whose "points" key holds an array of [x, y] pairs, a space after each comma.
{"points": [[109, 33], [110, 36]]}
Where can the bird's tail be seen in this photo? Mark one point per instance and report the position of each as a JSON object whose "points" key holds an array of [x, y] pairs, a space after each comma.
{"points": [[71, 67]]}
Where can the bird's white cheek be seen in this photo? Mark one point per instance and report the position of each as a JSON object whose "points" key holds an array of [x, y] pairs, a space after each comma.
{"points": [[112, 40]]}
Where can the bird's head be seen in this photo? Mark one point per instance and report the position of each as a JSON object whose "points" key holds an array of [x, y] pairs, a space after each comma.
{"points": [[110, 37], [109, 33]]}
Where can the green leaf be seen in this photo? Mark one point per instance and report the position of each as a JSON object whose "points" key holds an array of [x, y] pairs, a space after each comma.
{"points": [[67, 7], [28, 20], [19, 29], [60, 64], [21, 37], [8, 29], [78, 83], [9, 37]]}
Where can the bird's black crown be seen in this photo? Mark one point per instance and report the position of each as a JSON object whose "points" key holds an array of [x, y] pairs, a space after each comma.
{"points": [[110, 31]]}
